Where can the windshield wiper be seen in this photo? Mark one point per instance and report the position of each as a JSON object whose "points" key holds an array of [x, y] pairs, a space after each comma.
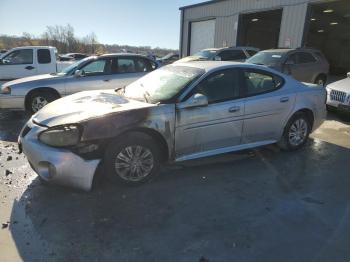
{"points": [[120, 88], [146, 95]]}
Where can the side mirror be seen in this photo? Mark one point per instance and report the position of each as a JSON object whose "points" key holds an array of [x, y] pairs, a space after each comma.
{"points": [[217, 58], [78, 73], [348, 74], [1, 61], [197, 100]]}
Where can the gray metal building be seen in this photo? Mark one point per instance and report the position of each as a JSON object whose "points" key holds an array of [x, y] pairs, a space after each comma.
{"points": [[322, 24]]}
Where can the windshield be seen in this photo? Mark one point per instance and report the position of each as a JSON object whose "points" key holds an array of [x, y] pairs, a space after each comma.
{"points": [[266, 58], [208, 54], [162, 84], [70, 69]]}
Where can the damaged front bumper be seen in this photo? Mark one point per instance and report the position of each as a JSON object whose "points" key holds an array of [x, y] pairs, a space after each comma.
{"points": [[56, 165]]}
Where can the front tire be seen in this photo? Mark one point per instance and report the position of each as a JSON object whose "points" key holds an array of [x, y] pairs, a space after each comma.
{"points": [[296, 133], [133, 159], [38, 100]]}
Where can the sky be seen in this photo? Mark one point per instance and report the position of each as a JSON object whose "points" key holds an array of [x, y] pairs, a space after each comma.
{"points": [[154, 23]]}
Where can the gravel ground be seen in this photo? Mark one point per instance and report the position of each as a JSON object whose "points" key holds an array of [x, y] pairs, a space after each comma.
{"points": [[258, 205]]}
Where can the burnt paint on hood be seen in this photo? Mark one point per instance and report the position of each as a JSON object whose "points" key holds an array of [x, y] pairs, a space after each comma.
{"points": [[84, 106]]}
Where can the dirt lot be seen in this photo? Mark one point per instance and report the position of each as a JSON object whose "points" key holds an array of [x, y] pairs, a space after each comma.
{"points": [[259, 205]]}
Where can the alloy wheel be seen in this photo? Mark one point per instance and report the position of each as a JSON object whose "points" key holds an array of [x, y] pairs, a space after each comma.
{"points": [[298, 132], [134, 163], [38, 103]]}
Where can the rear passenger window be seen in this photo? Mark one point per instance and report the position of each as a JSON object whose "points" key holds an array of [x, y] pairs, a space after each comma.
{"points": [[44, 56], [220, 86], [259, 83], [304, 58], [126, 65]]}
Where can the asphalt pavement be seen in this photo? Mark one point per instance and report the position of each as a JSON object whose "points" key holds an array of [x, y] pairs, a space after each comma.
{"points": [[256, 205]]}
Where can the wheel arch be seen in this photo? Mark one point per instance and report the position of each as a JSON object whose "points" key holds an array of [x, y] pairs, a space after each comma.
{"points": [[154, 134], [39, 89], [309, 114]]}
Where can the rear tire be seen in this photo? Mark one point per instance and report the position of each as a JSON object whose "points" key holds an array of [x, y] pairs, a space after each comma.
{"points": [[296, 132], [133, 159], [39, 99]]}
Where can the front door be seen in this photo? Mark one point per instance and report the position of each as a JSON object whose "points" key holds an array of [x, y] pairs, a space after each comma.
{"points": [[211, 129], [95, 75], [17, 64]]}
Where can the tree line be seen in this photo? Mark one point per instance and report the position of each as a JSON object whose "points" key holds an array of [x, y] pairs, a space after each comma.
{"points": [[64, 39]]}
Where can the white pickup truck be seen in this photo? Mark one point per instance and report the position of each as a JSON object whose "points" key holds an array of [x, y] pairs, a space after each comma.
{"points": [[28, 61]]}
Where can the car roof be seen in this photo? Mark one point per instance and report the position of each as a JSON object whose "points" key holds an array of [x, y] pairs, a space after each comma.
{"points": [[35, 46], [210, 65], [286, 50], [122, 54], [232, 48]]}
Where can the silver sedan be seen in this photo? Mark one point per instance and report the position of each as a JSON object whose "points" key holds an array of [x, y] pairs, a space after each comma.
{"points": [[176, 113], [96, 72]]}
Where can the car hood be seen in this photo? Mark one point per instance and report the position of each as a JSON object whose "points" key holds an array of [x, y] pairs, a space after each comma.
{"points": [[33, 78], [342, 85], [83, 106]]}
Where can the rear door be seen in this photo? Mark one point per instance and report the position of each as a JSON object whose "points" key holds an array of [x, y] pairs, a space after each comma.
{"points": [[126, 70], [302, 66], [45, 64], [18, 63], [268, 104], [202, 130]]}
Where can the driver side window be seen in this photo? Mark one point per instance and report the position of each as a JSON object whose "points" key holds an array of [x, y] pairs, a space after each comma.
{"points": [[97, 67], [220, 86], [19, 57]]}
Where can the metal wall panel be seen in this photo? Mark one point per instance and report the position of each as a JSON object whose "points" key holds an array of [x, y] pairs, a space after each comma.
{"points": [[227, 16]]}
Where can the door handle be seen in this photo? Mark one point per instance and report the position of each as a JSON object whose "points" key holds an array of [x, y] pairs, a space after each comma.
{"points": [[105, 80], [29, 67], [284, 99], [234, 109]]}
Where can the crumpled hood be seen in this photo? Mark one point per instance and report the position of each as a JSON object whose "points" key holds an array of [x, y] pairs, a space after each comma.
{"points": [[342, 85], [83, 106], [33, 78]]}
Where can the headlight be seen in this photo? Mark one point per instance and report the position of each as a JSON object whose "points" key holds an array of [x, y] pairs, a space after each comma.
{"points": [[5, 90], [61, 136]]}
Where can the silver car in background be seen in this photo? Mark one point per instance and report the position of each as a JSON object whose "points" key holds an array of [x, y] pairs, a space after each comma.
{"points": [[304, 64], [176, 113], [96, 72], [236, 54]]}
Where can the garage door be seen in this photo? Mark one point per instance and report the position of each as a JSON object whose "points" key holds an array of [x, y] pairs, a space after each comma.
{"points": [[202, 35]]}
